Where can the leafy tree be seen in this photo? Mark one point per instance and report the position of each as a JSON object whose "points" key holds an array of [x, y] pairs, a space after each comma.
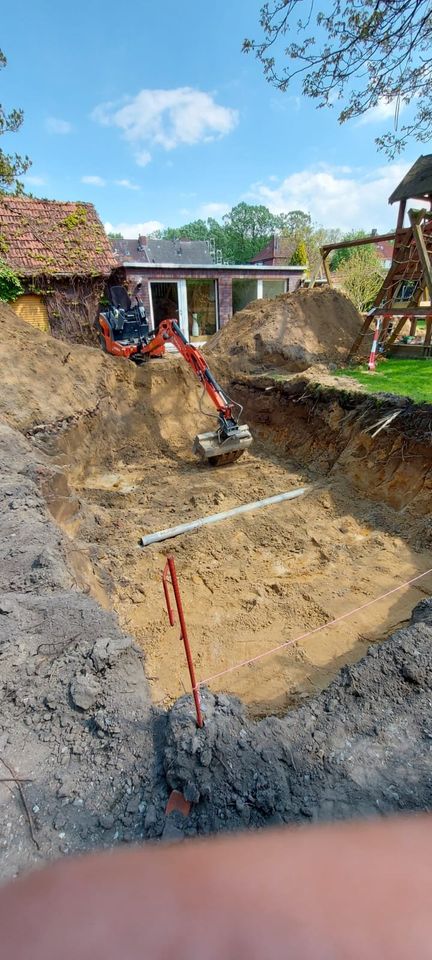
{"points": [[10, 284], [197, 230], [341, 256], [115, 236], [362, 276], [296, 223], [247, 228], [12, 166], [360, 52]]}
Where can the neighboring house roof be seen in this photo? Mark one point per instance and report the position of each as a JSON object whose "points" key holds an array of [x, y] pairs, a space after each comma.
{"points": [[49, 237], [147, 250], [417, 182], [278, 249], [384, 249]]}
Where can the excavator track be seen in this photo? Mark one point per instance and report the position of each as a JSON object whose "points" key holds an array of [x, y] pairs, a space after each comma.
{"points": [[224, 458]]}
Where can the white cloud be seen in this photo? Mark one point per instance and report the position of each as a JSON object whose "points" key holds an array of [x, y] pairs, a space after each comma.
{"points": [[126, 184], [94, 181], [33, 180], [55, 125], [215, 210], [335, 196], [167, 118], [132, 230], [383, 110], [142, 158]]}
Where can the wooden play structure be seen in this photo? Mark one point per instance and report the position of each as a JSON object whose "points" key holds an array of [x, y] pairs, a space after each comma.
{"points": [[405, 297]]}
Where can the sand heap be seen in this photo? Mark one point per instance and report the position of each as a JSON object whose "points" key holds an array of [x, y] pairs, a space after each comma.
{"points": [[45, 379], [294, 330]]}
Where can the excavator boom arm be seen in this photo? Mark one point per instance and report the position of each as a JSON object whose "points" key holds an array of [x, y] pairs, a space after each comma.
{"points": [[230, 440], [170, 332]]}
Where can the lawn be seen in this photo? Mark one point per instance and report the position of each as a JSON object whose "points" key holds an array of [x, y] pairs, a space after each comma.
{"points": [[408, 378]]}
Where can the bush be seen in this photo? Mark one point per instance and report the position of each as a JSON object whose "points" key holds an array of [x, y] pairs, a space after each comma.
{"points": [[10, 284], [299, 257]]}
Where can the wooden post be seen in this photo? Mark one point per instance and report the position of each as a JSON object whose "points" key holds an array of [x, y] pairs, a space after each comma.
{"points": [[415, 217], [397, 330], [362, 334], [413, 326], [428, 334], [401, 215], [326, 270]]}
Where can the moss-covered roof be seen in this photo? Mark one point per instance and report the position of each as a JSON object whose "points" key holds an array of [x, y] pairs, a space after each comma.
{"points": [[53, 238]]}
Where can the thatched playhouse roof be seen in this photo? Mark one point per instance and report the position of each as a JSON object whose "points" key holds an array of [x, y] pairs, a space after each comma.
{"points": [[52, 238], [417, 183]]}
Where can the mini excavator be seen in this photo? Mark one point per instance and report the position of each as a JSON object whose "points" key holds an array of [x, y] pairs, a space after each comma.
{"points": [[123, 331]]}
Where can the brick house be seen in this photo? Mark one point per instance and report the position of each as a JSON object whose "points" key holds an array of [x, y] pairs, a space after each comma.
{"points": [[63, 258], [276, 253], [189, 285]]}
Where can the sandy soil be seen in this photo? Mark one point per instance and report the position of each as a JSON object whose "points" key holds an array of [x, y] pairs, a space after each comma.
{"points": [[292, 331], [106, 449], [249, 583]]}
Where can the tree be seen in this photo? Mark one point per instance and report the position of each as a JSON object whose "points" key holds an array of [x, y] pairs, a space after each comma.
{"points": [[196, 230], [12, 166], [365, 53], [248, 228], [115, 236], [242, 233], [362, 276], [296, 223], [300, 256], [341, 256]]}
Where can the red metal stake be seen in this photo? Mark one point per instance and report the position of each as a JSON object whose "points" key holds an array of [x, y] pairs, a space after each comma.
{"points": [[170, 569]]}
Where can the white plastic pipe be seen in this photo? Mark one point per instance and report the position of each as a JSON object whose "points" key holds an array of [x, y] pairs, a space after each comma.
{"points": [[215, 517]]}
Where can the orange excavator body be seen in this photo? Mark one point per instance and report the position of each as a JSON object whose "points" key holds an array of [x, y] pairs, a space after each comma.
{"points": [[129, 350]]}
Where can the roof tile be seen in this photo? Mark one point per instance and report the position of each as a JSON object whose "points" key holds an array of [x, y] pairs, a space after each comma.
{"points": [[53, 237]]}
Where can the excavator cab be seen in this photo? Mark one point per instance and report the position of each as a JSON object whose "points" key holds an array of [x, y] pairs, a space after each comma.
{"points": [[123, 328], [128, 322]]}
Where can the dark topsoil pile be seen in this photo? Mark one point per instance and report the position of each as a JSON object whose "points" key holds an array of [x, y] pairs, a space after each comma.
{"points": [[293, 331], [77, 718]]}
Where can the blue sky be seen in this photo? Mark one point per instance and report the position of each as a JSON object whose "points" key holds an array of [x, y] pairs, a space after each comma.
{"points": [[151, 112]]}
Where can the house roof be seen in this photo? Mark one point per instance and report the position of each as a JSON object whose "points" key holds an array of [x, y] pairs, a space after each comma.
{"points": [[384, 249], [147, 250], [417, 182], [49, 237], [278, 248]]}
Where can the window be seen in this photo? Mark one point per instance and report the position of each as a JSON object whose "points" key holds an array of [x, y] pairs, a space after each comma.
{"points": [[243, 292]]}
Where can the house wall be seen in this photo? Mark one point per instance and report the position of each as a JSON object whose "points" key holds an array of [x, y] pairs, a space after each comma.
{"points": [[71, 304], [132, 275]]}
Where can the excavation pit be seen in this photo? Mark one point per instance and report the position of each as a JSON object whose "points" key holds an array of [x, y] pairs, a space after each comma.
{"points": [[106, 448], [256, 581]]}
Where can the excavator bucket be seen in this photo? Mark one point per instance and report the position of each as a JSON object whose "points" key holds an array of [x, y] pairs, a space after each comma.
{"points": [[209, 447]]}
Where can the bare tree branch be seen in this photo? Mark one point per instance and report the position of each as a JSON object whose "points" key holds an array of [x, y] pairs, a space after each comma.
{"points": [[361, 53]]}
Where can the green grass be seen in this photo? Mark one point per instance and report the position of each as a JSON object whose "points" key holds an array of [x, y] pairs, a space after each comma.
{"points": [[408, 378]]}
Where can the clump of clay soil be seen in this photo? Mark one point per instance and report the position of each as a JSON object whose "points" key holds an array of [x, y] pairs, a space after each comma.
{"points": [[294, 330]]}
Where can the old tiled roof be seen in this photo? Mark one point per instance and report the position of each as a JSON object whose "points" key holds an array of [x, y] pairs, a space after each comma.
{"points": [[148, 250], [417, 182], [49, 237]]}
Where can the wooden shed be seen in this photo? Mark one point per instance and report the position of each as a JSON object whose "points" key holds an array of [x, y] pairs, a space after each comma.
{"points": [[62, 256]]}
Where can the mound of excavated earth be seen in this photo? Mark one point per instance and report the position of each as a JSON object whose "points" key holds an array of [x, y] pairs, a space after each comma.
{"points": [[295, 331]]}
